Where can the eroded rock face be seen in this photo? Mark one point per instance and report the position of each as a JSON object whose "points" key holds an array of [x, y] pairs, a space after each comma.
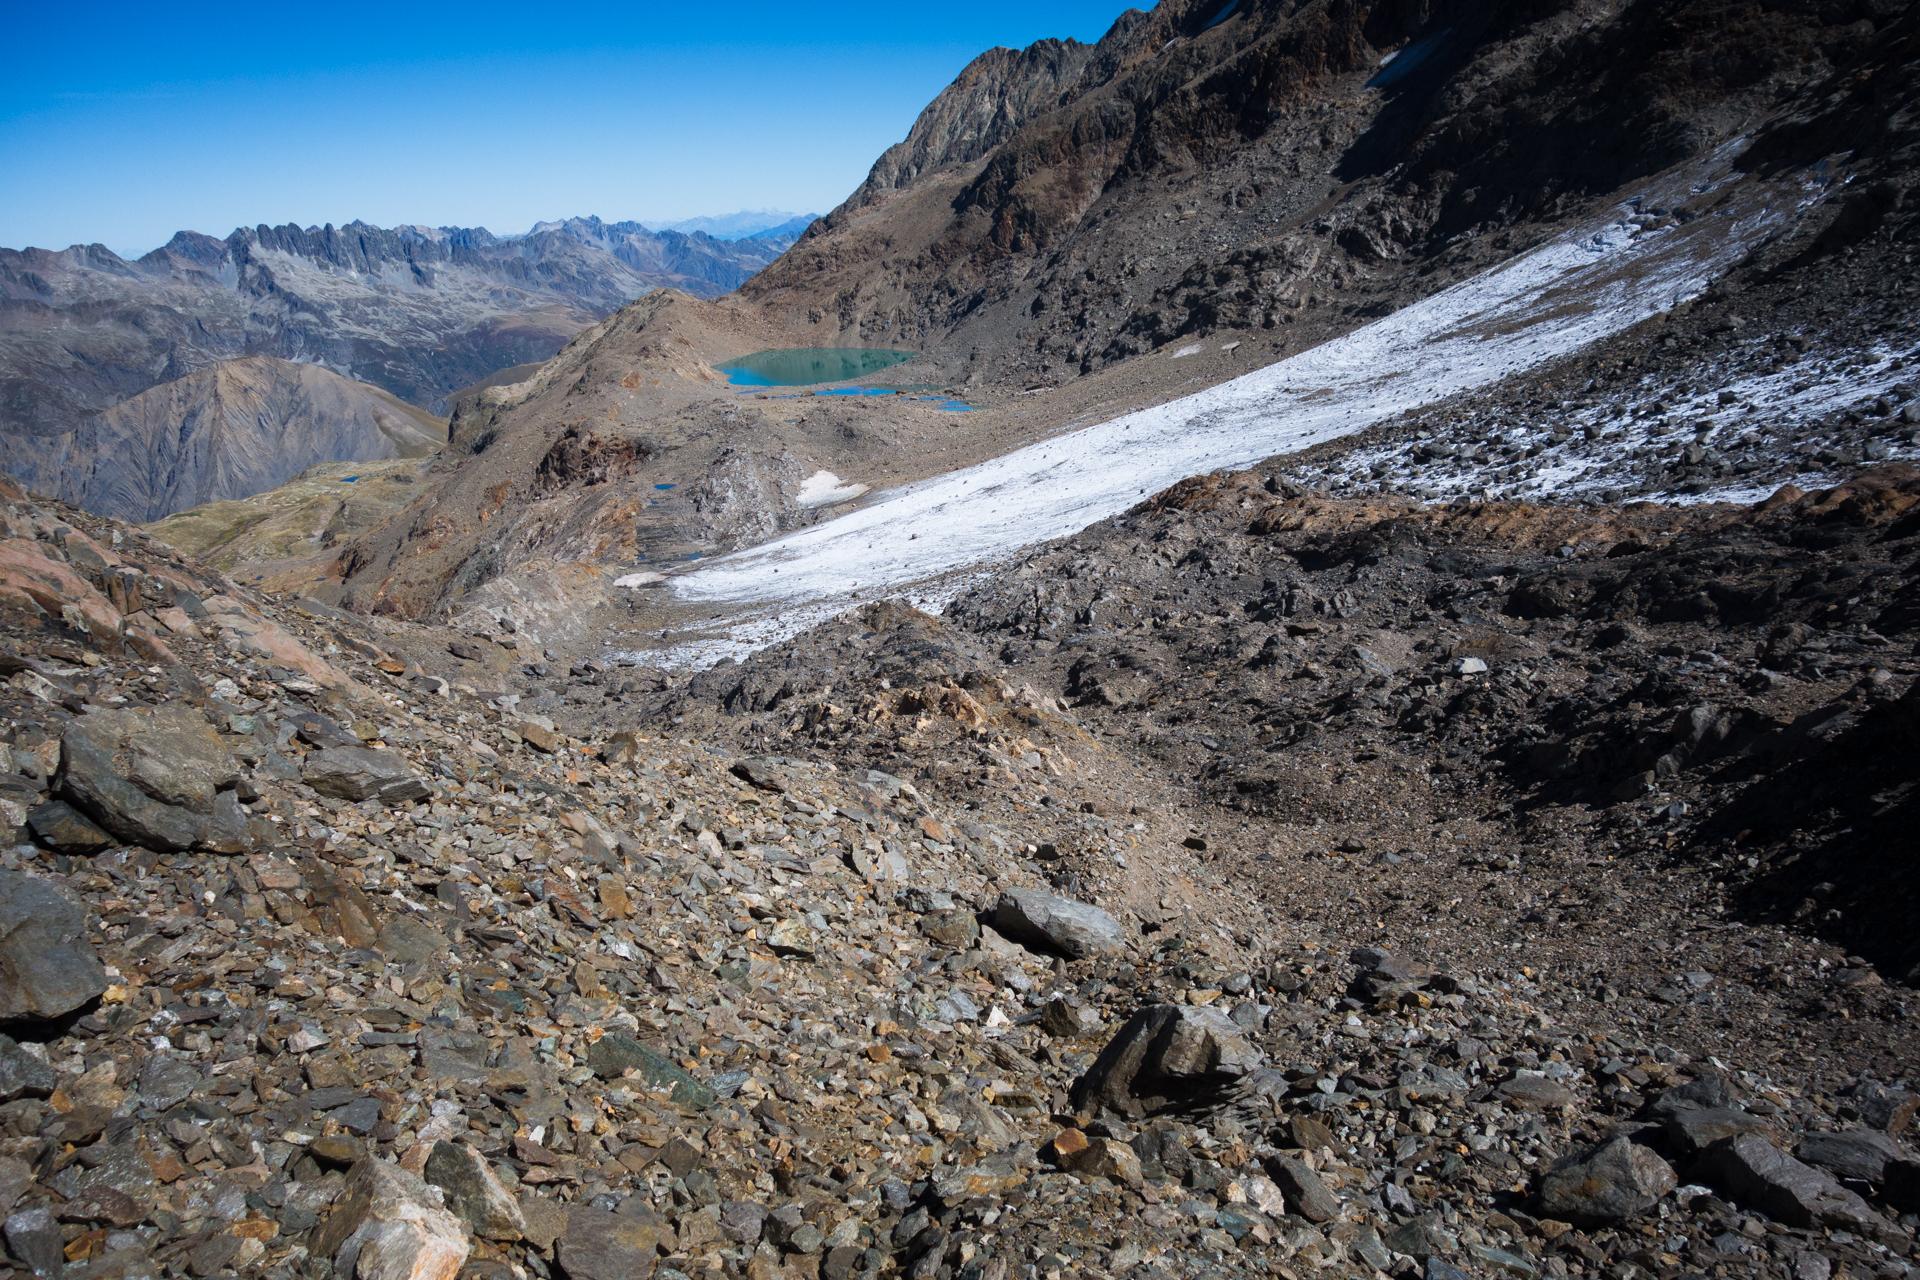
{"points": [[47, 967], [1167, 1057], [1049, 922], [1611, 1182], [151, 775]]}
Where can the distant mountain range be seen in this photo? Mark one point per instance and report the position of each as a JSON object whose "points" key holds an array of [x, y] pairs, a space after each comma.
{"points": [[747, 224], [418, 312]]}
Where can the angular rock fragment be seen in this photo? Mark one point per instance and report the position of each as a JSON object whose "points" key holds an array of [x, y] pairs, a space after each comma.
{"points": [[58, 825], [1165, 1057], [47, 967], [149, 775], [21, 1074], [390, 1225], [1106, 1158], [1868, 1157], [1609, 1182], [34, 1239], [614, 1054], [601, 1245], [1050, 923], [1303, 1188], [474, 1192], [362, 773], [1755, 1172]]}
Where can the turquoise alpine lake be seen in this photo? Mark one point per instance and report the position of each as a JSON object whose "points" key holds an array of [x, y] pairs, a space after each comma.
{"points": [[805, 366]]}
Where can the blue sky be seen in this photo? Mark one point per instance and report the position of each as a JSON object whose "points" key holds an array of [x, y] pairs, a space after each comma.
{"points": [[121, 123]]}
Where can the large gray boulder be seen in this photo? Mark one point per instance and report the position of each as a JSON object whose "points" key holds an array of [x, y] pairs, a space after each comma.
{"points": [[388, 1223], [47, 967], [362, 773], [1609, 1182], [1167, 1057], [1056, 925], [152, 776], [1758, 1174]]}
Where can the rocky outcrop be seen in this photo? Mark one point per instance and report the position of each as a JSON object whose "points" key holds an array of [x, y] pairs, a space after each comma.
{"points": [[987, 103], [153, 776], [1210, 166]]}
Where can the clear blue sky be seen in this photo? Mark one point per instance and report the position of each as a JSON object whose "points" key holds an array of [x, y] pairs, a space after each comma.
{"points": [[121, 123]]}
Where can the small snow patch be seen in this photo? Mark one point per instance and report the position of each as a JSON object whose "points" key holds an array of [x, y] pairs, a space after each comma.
{"points": [[641, 579], [825, 489], [1191, 349]]}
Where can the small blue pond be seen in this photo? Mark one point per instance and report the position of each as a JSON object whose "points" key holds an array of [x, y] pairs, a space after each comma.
{"points": [[807, 366]]}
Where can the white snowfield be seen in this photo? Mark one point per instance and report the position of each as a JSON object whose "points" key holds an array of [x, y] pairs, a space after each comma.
{"points": [[1538, 307]]}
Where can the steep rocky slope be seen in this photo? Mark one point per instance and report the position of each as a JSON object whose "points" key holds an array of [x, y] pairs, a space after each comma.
{"points": [[418, 311], [227, 431], [1064, 225], [329, 951], [1263, 165]]}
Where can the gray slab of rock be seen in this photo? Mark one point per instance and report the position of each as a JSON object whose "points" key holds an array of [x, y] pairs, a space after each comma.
{"points": [[148, 775], [58, 825], [47, 967], [1167, 1056], [362, 773], [1303, 1188], [1535, 1091], [1861, 1155], [22, 1075], [601, 1245], [35, 1240], [474, 1192], [1693, 1130], [1050, 923], [1758, 1174], [1609, 1182], [388, 1224]]}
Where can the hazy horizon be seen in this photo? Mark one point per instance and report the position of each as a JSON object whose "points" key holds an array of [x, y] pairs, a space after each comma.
{"points": [[128, 125]]}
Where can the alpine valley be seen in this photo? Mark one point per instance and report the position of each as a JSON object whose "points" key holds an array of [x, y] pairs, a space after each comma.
{"points": [[1289, 646]]}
